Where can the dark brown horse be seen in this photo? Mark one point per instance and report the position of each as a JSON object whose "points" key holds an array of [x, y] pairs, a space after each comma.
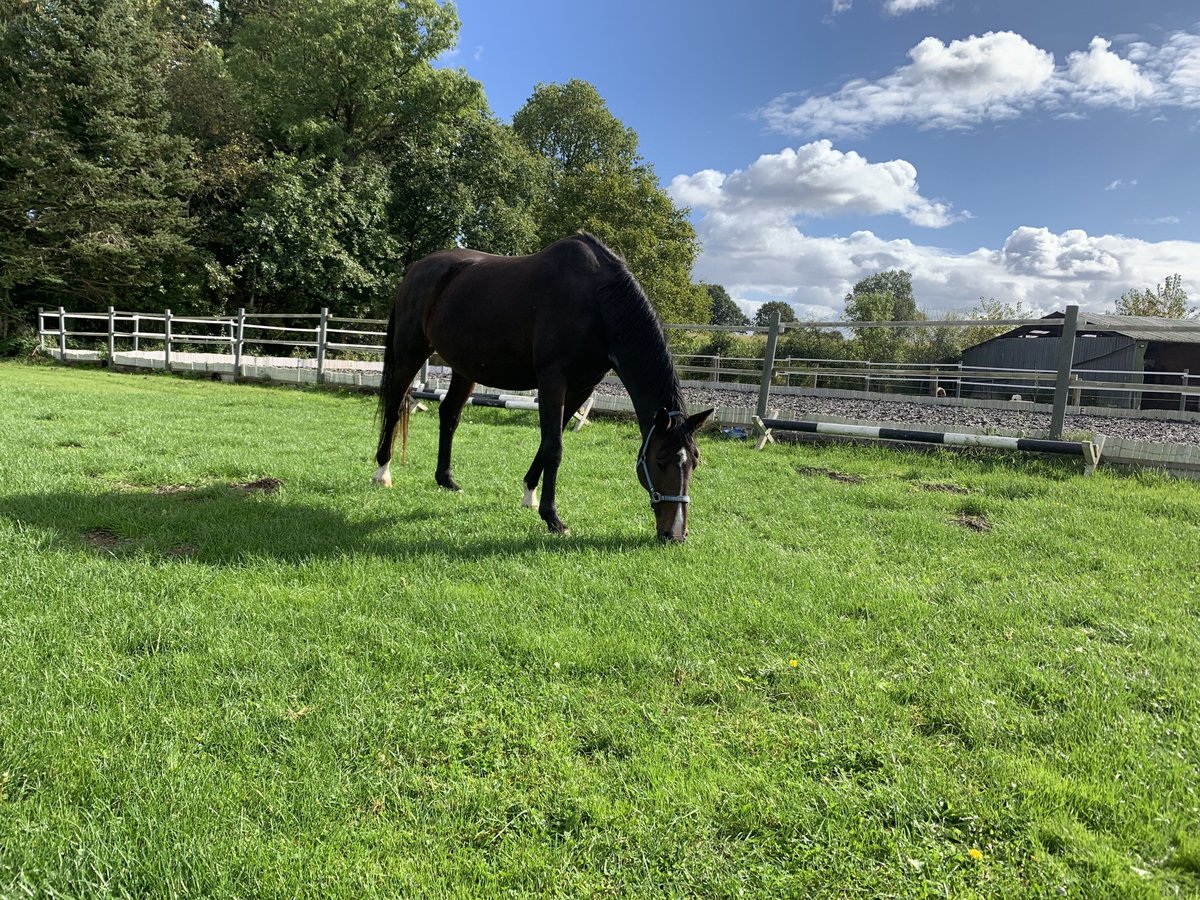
{"points": [[557, 321]]}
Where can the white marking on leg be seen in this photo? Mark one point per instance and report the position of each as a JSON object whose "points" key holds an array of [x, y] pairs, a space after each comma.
{"points": [[383, 475], [529, 501]]}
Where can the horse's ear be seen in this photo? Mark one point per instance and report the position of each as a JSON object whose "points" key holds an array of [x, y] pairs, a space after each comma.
{"points": [[694, 423], [662, 419]]}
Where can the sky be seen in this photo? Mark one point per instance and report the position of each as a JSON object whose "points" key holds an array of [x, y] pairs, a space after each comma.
{"points": [[1040, 152]]}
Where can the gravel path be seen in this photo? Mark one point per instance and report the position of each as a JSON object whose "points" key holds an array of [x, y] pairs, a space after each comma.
{"points": [[945, 418]]}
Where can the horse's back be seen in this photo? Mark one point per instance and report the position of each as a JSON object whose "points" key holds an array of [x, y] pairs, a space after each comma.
{"points": [[501, 319]]}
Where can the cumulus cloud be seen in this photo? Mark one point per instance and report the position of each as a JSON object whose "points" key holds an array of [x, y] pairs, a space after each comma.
{"points": [[1120, 183], [813, 180], [945, 85], [1101, 76], [760, 257], [997, 75]]}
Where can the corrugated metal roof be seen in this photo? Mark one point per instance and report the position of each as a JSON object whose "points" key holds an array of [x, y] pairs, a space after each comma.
{"points": [[1143, 328]]}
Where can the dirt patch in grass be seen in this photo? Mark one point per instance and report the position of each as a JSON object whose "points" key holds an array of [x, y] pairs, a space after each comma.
{"points": [[973, 521], [104, 540], [169, 489], [842, 477], [261, 486]]}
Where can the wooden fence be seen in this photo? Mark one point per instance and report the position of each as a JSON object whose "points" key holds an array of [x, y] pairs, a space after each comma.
{"points": [[327, 339]]}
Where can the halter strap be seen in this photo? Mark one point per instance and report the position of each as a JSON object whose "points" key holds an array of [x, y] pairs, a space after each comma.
{"points": [[655, 497]]}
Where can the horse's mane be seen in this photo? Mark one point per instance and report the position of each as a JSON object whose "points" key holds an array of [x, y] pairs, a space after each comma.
{"points": [[635, 329]]}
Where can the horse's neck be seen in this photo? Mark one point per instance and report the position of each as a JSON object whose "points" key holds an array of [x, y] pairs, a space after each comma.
{"points": [[648, 376]]}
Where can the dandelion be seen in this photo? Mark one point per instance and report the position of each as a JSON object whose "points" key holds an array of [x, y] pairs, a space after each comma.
{"points": [[975, 853], [793, 663]]}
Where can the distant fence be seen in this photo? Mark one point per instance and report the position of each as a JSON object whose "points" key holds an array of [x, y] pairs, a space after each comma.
{"points": [[331, 340]]}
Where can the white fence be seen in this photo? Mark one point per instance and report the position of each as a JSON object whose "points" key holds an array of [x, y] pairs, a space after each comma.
{"points": [[328, 341]]}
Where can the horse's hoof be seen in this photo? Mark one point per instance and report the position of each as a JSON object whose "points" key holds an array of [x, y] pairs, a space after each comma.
{"points": [[558, 528], [530, 500], [383, 477], [449, 484]]}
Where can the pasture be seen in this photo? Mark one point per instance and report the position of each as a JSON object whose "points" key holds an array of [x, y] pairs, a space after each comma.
{"points": [[231, 666]]}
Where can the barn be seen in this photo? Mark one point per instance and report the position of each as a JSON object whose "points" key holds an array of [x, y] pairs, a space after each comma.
{"points": [[1126, 349]]}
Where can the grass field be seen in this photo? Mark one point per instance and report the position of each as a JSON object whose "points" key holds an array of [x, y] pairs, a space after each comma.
{"points": [[867, 673]]}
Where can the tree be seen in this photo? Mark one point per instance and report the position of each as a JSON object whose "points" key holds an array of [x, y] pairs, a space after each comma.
{"points": [[1168, 300], [937, 342], [93, 186], [597, 182], [723, 311], [883, 297], [762, 316]]}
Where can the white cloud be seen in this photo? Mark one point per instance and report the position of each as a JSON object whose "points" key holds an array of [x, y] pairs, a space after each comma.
{"points": [[997, 75], [814, 180], [761, 257], [1099, 76], [1120, 183], [899, 7], [959, 84]]}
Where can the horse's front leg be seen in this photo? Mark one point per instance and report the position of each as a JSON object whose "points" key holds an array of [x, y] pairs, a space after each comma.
{"points": [[550, 413], [574, 400]]}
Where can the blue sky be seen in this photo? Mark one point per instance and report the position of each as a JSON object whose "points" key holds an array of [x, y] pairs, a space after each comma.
{"points": [[1035, 152]]}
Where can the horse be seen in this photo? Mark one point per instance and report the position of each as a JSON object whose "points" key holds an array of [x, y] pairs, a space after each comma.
{"points": [[558, 321]]}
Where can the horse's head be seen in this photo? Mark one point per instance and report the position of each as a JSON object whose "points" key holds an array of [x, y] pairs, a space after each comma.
{"points": [[665, 466]]}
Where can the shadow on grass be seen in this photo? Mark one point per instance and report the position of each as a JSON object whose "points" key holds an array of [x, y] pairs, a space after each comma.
{"points": [[224, 526]]}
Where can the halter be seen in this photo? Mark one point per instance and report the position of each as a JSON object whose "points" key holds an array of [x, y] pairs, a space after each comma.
{"points": [[655, 497]]}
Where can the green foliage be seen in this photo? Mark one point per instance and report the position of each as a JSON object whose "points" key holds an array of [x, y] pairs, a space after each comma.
{"points": [[835, 689], [1168, 300], [315, 238], [884, 297], [762, 315], [291, 154], [723, 310], [597, 182], [943, 343], [93, 187]]}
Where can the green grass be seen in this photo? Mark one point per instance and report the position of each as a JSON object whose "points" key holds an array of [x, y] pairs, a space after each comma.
{"points": [[835, 688]]}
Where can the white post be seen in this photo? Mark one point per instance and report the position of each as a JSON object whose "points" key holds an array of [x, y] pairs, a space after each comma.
{"points": [[41, 329], [112, 335], [237, 347], [167, 341], [62, 335], [322, 333]]}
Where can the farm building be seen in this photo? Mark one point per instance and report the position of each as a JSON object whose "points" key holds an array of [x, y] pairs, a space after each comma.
{"points": [[1124, 349]]}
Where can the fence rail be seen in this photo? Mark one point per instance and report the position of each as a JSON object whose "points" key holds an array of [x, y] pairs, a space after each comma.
{"points": [[1063, 386]]}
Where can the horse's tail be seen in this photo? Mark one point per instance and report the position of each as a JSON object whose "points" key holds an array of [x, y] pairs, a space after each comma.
{"points": [[394, 388]]}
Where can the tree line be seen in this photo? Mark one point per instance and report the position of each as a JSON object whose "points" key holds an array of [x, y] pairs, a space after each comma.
{"points": [[288, 155]]}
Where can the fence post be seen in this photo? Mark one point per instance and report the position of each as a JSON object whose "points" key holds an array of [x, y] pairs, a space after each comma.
{"points": [[137, 332], [167, 341], [764, 387], [1076, 391], [867, 378], [1183, 381], [62, 334], [237, 346], [716, 364], [958, 382], [41, 329], [1066, 355], [322, 330], [112, 335]]}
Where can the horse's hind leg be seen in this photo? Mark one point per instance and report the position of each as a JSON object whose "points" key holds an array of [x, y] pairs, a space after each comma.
{"points": [[393, 405], [449, 414]]}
